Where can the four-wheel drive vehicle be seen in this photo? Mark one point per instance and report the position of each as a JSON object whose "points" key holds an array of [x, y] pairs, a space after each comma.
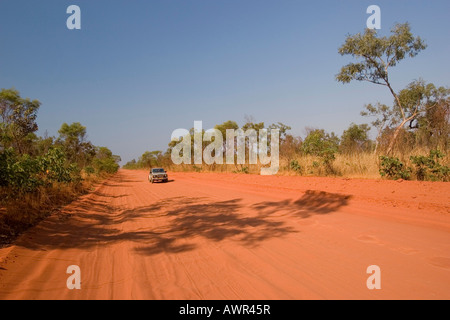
{"points": [[157, 174]]}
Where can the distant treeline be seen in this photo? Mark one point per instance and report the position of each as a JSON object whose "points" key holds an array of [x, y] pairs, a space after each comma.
{"points": [[325, 153]]}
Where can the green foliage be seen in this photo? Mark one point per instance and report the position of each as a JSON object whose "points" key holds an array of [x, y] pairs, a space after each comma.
{"points": [[226, 125], [105, 161], [393, 168], [89, 170], [147, 160], [433, 125], [150, 159], [429, 168], [72, 138], [28, 162], [24, 173], [72, 133], [17, 120], [131, 165], [294, 165], [324, 145], [377, 54], [242, 170], [283, 129], [355, 138], [55, 165], [107, 165]]}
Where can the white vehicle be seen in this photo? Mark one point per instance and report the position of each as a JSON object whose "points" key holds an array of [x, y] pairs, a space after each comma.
{"points": [[157, 174]]}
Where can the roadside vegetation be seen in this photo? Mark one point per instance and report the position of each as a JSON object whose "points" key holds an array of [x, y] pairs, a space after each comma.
{"points": [[39, 174], [412, 135]]}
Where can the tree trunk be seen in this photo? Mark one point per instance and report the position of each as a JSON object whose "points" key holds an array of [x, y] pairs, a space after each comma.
{"points": [[377, 140], [396, 132]]}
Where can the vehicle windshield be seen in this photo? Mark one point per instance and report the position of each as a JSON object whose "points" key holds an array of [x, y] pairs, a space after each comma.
{"points": [[158, 170]]}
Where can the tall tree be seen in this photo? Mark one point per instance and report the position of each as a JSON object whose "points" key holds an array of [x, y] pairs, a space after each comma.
{"points": [[375, 56]]}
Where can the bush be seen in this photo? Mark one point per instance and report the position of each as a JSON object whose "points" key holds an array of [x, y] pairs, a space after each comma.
{"points": [[20, 173], [89, 170], [55, 166], [242, 170], [393, 168], [324, 145], [107, 165], [6, 160], [25, 173], [294, 165], [429, 168]]}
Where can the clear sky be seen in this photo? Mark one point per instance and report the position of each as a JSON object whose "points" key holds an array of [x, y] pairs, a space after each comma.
{"points": [[139, 69]]}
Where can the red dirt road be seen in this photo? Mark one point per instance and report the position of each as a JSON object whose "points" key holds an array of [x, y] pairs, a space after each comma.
{"points": [[231, 236]]}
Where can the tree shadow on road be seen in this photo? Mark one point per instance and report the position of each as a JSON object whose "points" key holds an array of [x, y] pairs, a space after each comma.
{"points": [[311, 203], [177, 223]]}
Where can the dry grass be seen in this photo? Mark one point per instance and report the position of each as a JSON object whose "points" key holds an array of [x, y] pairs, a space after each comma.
{"points": [[363, 165], [19, 212]]}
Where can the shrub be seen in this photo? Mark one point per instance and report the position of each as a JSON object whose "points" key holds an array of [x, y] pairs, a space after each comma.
{"points": [[324, 145], [107, 165], [25, 173], [242, 170], [393, 168], [55, 166], [89, 170], [20, 173], [294, 165], [429, 168]]}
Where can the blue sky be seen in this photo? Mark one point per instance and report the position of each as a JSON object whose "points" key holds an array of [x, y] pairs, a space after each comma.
{"points": [[139, 69]]}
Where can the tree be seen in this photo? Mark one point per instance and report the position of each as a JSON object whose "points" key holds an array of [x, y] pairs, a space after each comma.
{"points": [[232, 125], [376, 55], [17, 120], [355, 138], [226, 125], [320, 143], [150, 159], [385, 118], [132, 164], [73, 139], [105, 161], [283, 129], [290, 147], [434, 126], [117, 158], [418, 99]]}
